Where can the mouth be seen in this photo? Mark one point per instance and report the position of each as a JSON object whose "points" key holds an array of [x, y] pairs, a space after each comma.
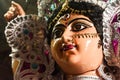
{"points": [[66, 47]]}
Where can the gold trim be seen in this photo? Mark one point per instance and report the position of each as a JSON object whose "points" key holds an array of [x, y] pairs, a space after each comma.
{"points": [[66, 7]]}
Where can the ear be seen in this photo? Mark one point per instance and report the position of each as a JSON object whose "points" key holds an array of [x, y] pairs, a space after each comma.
{"points": [[99, 43]]}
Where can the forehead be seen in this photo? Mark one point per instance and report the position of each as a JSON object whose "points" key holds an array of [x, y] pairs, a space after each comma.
{"points": [[70, 17], [67, 19]]}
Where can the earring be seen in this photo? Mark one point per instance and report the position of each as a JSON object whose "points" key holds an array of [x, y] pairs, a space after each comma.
{"points": [[104, 72], [99, 43]]}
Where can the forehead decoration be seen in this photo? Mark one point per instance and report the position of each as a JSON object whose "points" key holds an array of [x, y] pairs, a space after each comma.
{"points": [[111, 33], [65, 17], [68, 9], [26, 37]]}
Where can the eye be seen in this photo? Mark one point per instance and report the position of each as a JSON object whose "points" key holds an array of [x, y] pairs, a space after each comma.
{"points": [[79, 26], [57, 33]]}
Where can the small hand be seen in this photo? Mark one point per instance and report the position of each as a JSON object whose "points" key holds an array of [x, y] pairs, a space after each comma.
{"points": [[14, 10]]}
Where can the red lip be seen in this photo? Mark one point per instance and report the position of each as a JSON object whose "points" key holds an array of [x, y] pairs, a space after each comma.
{"points": [[67, 47]]}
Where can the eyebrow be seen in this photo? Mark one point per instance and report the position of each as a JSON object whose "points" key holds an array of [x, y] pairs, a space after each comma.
{"points": [[59, 25], [81, 19]]}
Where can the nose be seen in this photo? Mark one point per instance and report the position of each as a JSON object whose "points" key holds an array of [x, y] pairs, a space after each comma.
{"points": [[67, 36]]}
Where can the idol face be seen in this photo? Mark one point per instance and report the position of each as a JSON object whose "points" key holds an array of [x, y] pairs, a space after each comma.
{"points": [[74, 44]]}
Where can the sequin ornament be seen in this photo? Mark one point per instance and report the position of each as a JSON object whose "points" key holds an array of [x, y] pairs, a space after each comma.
{"points": [[26, 37], [46, 7]]}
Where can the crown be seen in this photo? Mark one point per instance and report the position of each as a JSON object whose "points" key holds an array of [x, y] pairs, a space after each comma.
{"points": [[46, 7], [67, 8]]}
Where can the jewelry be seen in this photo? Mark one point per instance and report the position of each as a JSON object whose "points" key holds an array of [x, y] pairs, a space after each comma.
{"points": [[67, 8], [65, 17], [86, 35], [86, 77], [26, 37], [99, 43], [103, 74]]}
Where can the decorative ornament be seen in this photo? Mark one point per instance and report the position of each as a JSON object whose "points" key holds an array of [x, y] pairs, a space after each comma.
{"points": [[66, 8], [106, 75], [86, 77], [111, 33], [26, 35], [46, 7]]}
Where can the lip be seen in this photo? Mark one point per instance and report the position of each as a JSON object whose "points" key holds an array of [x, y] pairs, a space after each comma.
{"points": [[67, 47]]}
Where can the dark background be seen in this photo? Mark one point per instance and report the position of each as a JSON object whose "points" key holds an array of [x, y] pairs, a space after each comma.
{"points": [[30, 7]]}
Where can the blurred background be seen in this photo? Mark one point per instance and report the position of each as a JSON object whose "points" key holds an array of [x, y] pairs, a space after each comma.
{"points": [[30, 7]]}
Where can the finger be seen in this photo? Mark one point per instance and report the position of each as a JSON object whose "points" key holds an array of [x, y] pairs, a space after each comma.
{"points": [[12, 9], [9, 15], [18, 7]]}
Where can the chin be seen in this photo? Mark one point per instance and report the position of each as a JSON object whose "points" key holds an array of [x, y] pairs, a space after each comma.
{"points": [[75, 67]]}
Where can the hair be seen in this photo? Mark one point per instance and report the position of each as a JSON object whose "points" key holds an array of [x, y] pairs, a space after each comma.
{"points": [[95, 15]]}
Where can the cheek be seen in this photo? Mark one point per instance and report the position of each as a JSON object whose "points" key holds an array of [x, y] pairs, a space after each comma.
{"points": [[87, 45], [88, 50], [55, 48]]}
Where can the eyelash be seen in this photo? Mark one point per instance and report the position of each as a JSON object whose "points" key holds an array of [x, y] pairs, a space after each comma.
{"points": [[79, 26], [57, 32]]}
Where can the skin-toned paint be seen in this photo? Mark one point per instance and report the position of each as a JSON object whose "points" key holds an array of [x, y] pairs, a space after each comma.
{"points": [[76, 55]]}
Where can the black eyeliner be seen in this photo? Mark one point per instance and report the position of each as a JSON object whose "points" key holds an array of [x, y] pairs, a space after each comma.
{"points": [[59, 25], [81, 19]]}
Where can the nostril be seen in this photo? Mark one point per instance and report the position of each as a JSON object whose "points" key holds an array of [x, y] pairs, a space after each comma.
{"points": [[67, 40]]}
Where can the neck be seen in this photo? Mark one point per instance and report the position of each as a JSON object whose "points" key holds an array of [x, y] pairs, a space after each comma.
{"points": [[91, 75]]}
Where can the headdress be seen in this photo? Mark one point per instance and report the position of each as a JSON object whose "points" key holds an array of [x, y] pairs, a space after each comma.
{"points": [[46, 7], [111, 34], [66, 7], [26, 37]]}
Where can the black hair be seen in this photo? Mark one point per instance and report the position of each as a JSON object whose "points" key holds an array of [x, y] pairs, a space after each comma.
{"points": [[95, 15]]}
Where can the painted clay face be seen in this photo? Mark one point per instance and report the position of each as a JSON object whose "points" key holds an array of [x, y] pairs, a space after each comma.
{"points": [[74, 44]]}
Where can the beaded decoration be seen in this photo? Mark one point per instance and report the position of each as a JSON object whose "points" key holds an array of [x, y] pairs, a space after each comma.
{"points": [[86, 35], [106, 75], [26, 37], [111, 34], [66, 7], [46, 7], [86, 77]]}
